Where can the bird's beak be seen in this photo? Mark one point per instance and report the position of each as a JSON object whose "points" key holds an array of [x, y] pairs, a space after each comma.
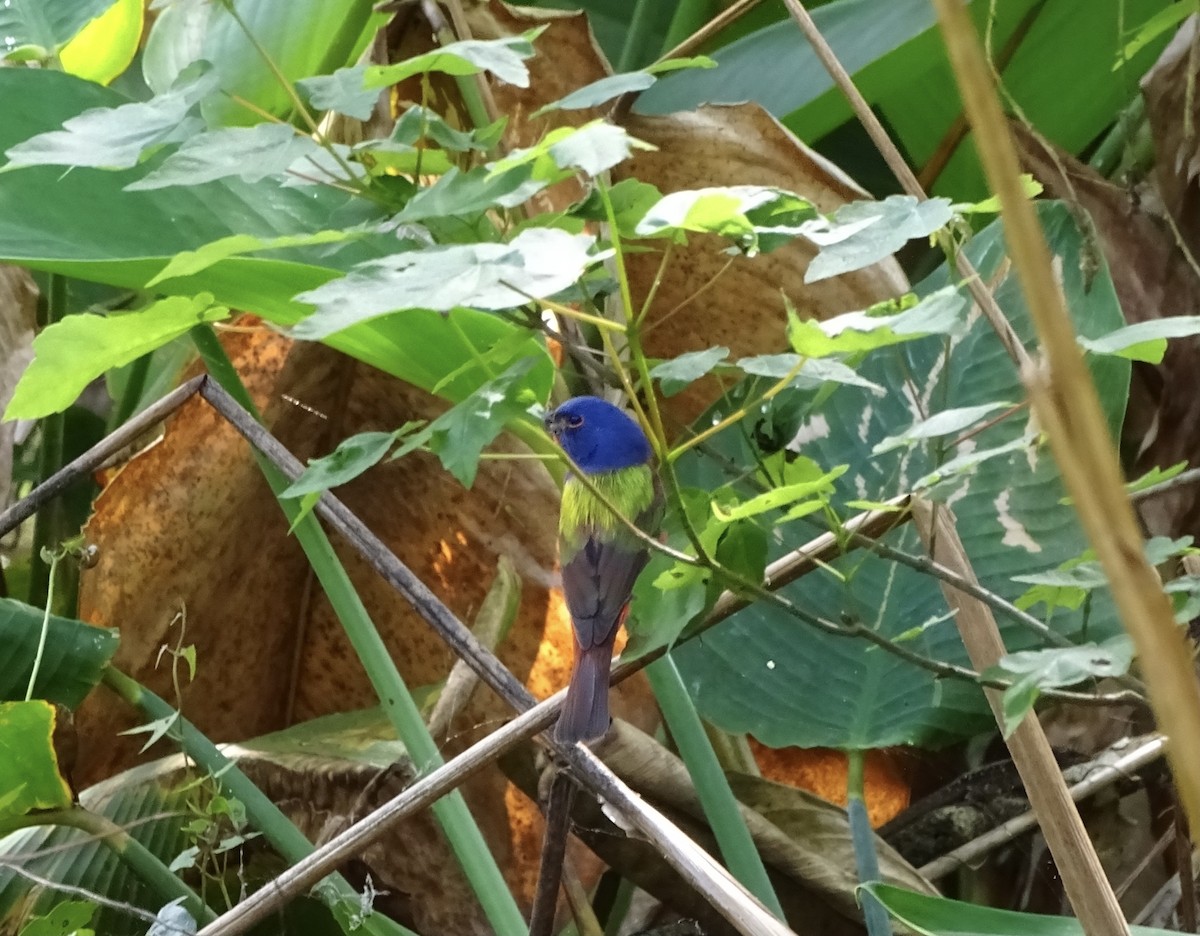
{"points": [[553, 424]]}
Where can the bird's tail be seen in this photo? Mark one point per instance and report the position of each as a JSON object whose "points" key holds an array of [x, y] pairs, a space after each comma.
{"points": [[584, 715]]}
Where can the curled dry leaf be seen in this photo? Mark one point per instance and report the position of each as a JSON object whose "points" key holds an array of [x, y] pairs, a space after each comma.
{"points": [[18, 319]]}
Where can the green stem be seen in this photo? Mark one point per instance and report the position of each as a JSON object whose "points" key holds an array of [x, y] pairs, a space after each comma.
{"points": [[41, 647], [720, 807], [862, 837], [397, 702], [132, 853], [264, 815]]}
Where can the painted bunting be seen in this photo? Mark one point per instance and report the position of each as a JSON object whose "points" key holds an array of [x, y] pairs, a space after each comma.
{"points": [[599, 555]]}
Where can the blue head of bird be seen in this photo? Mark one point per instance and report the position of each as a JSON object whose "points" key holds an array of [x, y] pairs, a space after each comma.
{"points": [[598, 436]]}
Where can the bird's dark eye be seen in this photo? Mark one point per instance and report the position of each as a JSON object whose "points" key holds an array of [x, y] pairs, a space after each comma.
{"points": [[574, 422]]}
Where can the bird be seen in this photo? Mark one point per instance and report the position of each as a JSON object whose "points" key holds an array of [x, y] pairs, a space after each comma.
{"points": [[599, 556]]}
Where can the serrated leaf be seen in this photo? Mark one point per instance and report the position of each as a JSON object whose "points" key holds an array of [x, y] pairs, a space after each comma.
{"points": [[246, 153], [344, 91], [863, 233], [677, 373], [71, 353], [117, 137], [420, 123], [754, 217], [539, 262], [812, 374], [350, 459], [469, 193], [592, 148], [1144, 341], [940, 424], [630, 200]]}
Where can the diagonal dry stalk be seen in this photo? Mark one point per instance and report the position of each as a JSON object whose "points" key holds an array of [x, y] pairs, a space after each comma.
{"points": [[1082, 875], [1067, 405]]}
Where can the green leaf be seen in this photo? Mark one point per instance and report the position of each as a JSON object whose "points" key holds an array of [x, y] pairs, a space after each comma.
{"points": [[28, 764], [862, 233], [116, 137], [754, 217], [300, 38], [459, 193], [940, 424], [1144, 341], [539, 262], [69, 354], [679, 372], [592, 148], [812, 374], [600, 92], [72, 661], [504, 58], [420, 123], [247, 153], [69, 918], [940, 313], [667, 596], [1032, 671], [825, 689], [937, 916], [344, 91], [191, 262], [1029, 185], [1155, 476], [630, 200], [45, 24], [459, 435], [1161, 23], [819, 485], [351, 458], [968, 462]]}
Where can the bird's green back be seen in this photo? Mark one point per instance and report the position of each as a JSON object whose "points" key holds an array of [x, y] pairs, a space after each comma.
{"points": [[630, 490]]}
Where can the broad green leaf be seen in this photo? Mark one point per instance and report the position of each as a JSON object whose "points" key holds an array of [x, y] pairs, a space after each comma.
{"points": [[592, 148], [45, 25], [69, 354], [419, 123], [504, 58], [679, 372], [940, 313], [1032, 671], [72, 661], [191, 262], [862, 233], [247, 153], [940, 424], [28, 764], [1144, 341], [301, 38], [125, 238], [116, 137], [754, 217], [538, 262], [667, 596], [828, 690], [104, 47], [351, 458], [69, 918], [630, 200], [937, 916]]}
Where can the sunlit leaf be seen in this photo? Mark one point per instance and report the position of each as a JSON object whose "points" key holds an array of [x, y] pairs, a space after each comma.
{"points": [[69, 918], [1144, 341], [247, 153], [863, 233], [117, 137], [104, 47], [45, 25], [28, 763], [939, 424], [940, 313], [745, 214], [538, 262], [592, 148], [504, 58], [69, 354], [819, 485]]}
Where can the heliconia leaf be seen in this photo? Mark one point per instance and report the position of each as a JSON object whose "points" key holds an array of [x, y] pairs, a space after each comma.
{"points": [[73, 658]]}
